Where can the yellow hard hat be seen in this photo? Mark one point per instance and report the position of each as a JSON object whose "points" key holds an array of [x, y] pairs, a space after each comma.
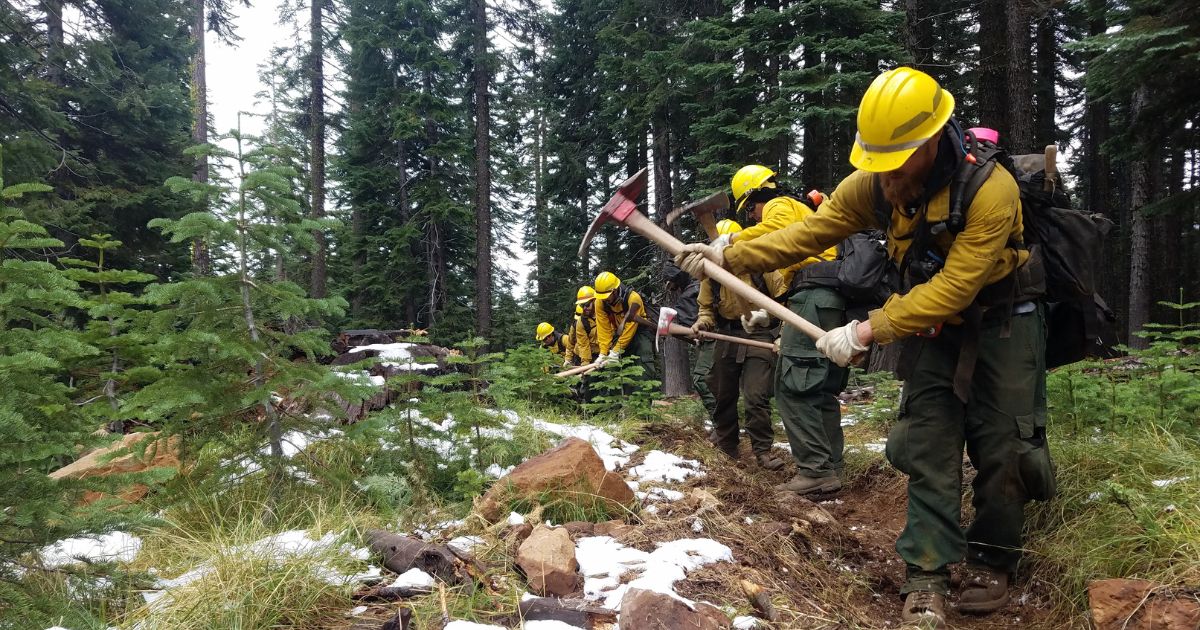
{"points": [[900, 111], [606, 283], [584, 295], [543, 330], [728, 226], [749, 179]]}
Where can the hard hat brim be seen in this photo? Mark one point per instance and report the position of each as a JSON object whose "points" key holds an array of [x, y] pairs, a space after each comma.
{"points": [[582, 301], [603, 296], [882, 161]]}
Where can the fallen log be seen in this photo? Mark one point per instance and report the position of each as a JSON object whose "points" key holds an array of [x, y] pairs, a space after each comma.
{"points": [[401, 553], [380, 593], [575, 612]]}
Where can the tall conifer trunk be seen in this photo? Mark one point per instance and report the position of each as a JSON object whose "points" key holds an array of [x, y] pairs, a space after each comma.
{"points": [[54, 41], [918, 33], [481, 77], [993, 66], [201, 261], [1019, 79], [675, 376], [1141, 194], [1047, 58], [316, 70]]}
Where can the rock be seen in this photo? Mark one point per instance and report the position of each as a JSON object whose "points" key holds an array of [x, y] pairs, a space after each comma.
{"points": [[515, 536], [615, 529], [703, 500], [579, 529], [1120, 604], [649, 609], [798, 507], [570, 472], [547, 558], [108, 461]]}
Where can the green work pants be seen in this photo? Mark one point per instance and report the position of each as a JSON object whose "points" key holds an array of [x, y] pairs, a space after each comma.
{"points": [[1002, 425], [642, 347], [808, 386], [738, 370], [701, 366]]}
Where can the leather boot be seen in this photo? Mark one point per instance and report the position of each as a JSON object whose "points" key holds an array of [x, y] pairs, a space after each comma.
{"points": [[803, 485], [768, 461], [984, 590], [924, 609]]}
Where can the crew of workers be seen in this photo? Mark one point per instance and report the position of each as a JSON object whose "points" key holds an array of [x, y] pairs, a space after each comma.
{"points": [[970, 325]]}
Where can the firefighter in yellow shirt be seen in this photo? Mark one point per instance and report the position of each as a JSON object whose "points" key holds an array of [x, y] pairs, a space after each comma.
{"points": [[740, 371], [581, 345], [976, 374], [806, 383], [553, 341], [618, 331]]}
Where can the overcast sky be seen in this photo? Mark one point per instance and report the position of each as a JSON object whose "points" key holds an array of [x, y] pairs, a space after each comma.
{"points": [[233, 82]]}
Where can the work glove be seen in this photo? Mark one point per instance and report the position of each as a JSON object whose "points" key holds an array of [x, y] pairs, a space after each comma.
{"points": [[613, 356], [691, 258], [700, 325], [778, 343], [841, 344], [566, 364], [722, 241], [757, 321]]}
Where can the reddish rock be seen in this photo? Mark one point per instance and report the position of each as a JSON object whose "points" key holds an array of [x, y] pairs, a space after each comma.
{"points": [[615, 529], [1119, 604], [547, 558], [124, 456], [643, 610], [570, 472]]}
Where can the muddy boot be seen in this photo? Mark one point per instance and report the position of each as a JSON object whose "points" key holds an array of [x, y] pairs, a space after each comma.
{"points": [[768, 461], [924, 609], [811, 485], [984, 590]]}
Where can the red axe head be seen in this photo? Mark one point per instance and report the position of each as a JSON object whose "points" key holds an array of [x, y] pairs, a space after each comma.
{"points": [[622, 204]]}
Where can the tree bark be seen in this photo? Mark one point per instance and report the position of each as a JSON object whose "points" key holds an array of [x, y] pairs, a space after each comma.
{"points": [[1141, 193], [1098, 189], [201, 259], [918, 34], [481, 76], [316, 70], [1047, 70], [1019, 78], [993, 67], [676, 379], [54, 41], [817, 167]]}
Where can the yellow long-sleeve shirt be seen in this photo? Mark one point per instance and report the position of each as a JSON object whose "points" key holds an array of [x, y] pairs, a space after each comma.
{"points": [[581, 342], [779, 213], [609, 315], [731, 305], [976, 257]]}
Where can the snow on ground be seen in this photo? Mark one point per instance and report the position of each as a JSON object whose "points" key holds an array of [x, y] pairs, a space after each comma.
{"points": [[603, 560], [662, 466], [414, 578], [397, 355], [465, 543], [515, 519], [745, 623], [362, 377], [656, 494], [282, 547], [110, 547], [614, 452], [1163, 483]]}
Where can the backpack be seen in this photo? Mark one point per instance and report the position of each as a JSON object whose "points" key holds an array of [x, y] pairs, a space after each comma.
{"points": [[1079, 323]]}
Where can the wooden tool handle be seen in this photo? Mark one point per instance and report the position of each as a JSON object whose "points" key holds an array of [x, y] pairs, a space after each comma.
{"points": [[679, 330], [709, 223], [579, 369], [640, 224]]}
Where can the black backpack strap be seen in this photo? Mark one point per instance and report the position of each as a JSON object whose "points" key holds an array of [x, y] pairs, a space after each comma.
{"points": [[970, 176]]}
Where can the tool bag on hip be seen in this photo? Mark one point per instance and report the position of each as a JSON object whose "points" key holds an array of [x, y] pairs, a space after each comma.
{"points": [[1070, 241], [862, 273]]}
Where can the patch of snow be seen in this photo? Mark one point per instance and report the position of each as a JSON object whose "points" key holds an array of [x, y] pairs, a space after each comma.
{"points": [[662, 466], [697, 526], [465, 543], [496, 471], [361, 377], [1094, 496], [848, 420], [878, 446], [1163, 483], [633, 485], [1170, 508], [650, 509], [110, 547], [602, 562], [470, 625], [397, 355], [356, 611], [745, 622], [515, 519], [414, 578]]}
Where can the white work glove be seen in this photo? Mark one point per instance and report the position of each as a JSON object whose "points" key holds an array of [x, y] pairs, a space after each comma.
{"points": [[758, 321], [722, 241], [566, 363], [614, 356], [841, 344], [692, 258]]}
